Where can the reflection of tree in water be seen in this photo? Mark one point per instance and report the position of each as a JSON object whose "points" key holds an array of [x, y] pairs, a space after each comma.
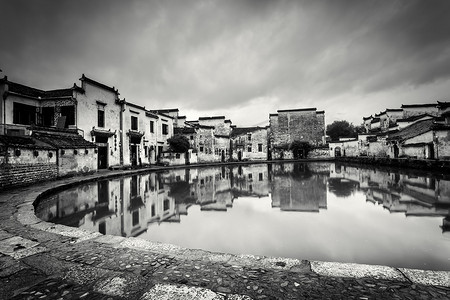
{"points": [[180, 191], [342, 187], [301, 172]]}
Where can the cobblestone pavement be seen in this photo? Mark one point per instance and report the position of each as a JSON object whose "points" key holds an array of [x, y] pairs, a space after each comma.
{"points": [[40, 260]]}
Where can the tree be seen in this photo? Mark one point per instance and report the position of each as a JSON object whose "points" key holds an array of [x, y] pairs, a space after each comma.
{"points": [[339, 129], [178, 143], [300, 149]]}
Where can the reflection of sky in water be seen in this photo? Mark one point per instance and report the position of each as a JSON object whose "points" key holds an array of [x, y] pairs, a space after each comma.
{"points": [[261, 219], [349, 230]]}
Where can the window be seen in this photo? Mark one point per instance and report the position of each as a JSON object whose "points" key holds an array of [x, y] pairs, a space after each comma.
{"points": [[166, 205], [250, 176], [69, 113], [191, 137], [260, 149], [152, 126], [101, 118], [165, 129], [201, 148], [24, 114], [260, 176], [249, 136], [249, 148], [102, 228], [135, 217], [134, 123]]}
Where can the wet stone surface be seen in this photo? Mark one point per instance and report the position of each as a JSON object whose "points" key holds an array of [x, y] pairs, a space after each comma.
{"points": [[60, 289]]}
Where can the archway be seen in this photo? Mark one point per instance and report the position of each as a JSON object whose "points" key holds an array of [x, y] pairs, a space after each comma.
{"points": [[337, 151]]}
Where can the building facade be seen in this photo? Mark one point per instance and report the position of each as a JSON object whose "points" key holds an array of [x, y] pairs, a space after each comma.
{"points": [[249, 143], [305, 125]]}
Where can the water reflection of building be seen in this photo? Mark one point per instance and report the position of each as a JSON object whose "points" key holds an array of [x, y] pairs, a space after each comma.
{"points": [[127, 206], [250, 181], [296, 188], [408, 193]]}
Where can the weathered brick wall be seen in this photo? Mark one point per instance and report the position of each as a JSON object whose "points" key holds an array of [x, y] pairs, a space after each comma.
{"points": [[319, 153], [205, 145], [83, 162], [23, 174], [297, 125], [243, 144], [414, 111]]}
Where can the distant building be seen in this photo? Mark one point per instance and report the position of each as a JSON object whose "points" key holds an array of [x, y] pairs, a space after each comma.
{"points": [[249, 143], [302, 125]]}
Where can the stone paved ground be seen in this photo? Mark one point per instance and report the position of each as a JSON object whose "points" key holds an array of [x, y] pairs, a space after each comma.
{"points": [[40, 260]]}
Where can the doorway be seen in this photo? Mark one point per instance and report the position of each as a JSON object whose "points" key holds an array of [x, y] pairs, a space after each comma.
{"points": [[337, 152], [102, 157], [396, 151], [430, 151], [133, 155]]}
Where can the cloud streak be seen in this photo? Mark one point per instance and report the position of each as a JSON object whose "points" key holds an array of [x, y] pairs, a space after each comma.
{"points": [[243, 59]]}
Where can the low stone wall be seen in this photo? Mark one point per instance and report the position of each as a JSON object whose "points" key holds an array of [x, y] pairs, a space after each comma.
{"points": [[404, 163], [23, 174]]}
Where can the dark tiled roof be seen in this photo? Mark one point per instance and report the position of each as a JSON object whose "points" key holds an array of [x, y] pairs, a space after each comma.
{"points": [[211, 118], [418, 105], [24, 142], [443, 104], [394, 109], [25, 90], [62, 140], [165, 111], [184, 130], [244, 130], [374, 120], [59, 93], [367, 118], [299, 109], [412, 130], [37, 93]]}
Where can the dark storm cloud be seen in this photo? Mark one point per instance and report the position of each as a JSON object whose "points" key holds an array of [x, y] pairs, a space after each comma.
{"points": [[226, 55]]}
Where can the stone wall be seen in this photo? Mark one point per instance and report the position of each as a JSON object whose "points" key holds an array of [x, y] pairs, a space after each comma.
{"points": [[287, 126], [319, 153], [205, 145], [253, 140], [23, 174], [77, 161]]}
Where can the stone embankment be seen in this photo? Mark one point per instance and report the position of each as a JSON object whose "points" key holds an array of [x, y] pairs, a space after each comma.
{"points": [[40, 260], [431, 165]]}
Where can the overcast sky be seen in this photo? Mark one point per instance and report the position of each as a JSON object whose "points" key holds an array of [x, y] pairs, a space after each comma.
{"points": [[243, 59]]}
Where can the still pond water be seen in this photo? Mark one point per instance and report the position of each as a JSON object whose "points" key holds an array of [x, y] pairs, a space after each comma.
{"points": [[315, 211]]}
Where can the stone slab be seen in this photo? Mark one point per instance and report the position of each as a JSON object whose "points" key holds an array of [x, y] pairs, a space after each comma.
{"points": [[426, 277], [356, 270], [180, 292], [139, 244], [109, 239], [79, 234], [15, 244], [4, 235]]}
